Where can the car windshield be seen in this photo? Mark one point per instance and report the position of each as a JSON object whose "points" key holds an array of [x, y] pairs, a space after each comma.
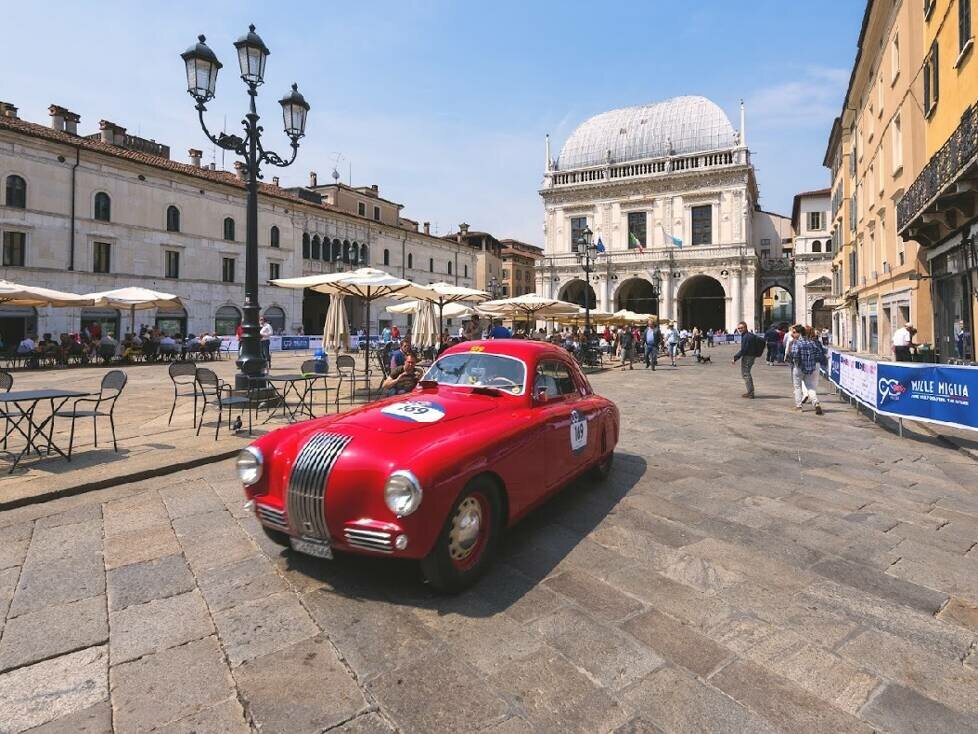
{"points": [[476, 369]]}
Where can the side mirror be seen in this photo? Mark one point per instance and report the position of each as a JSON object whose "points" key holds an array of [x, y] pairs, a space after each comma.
{"points": [[541, 396]]}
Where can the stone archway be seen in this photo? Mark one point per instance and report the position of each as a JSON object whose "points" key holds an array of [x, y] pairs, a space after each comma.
{"points": [[638, 295], [574, 290], [702, 303], [777, 306], [821, 316]]}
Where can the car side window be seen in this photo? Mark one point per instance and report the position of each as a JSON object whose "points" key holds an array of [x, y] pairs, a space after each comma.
{"points": [[555, 378]]}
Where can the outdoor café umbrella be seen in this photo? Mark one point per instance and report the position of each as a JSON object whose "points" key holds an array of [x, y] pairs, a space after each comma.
{"points": [[15, 294], [442, 294], [424, 333], [336, 330], [136, 298], [529, 306], [369, 284], [451, 310]]}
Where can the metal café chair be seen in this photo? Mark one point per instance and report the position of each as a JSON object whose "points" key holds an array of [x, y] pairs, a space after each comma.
{"points": [[183, 375], [346, 368], [6, 382], [308, 367], [103, 406], [214, 391]]}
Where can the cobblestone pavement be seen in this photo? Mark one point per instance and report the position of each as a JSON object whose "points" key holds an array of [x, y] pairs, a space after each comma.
{"points": [[745, 568]]}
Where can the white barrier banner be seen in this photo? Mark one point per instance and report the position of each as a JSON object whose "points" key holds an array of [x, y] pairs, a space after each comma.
{"points": [[858, 378]]}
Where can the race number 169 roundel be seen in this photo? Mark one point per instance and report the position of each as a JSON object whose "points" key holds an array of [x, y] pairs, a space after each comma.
{"points": [[415, 411], [578, 431]]}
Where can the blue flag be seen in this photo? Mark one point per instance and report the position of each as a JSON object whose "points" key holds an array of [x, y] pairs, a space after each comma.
{"points": [[600, 246]]}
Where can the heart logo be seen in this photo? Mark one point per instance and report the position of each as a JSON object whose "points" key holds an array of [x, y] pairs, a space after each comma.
{"points": [[890, 389]]}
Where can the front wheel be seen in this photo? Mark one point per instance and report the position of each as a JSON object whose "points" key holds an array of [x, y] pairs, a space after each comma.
{"points": [[467, 543]]}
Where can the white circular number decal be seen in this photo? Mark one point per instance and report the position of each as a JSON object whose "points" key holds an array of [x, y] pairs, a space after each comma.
{"points": [[416, 411], [578, 427]]}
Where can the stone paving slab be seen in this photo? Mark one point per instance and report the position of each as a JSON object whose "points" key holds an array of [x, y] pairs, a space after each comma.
{"points": [[686, 593]]}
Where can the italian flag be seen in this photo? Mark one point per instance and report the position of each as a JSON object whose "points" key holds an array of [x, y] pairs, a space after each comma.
{"points": [[633, 242]]}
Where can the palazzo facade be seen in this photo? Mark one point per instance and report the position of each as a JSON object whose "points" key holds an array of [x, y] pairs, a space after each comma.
{"points": [[669, 190]]}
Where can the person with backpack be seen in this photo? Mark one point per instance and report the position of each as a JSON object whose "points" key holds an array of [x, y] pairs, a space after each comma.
{"points": [[805, 356], [751, 347], [773, 338]]}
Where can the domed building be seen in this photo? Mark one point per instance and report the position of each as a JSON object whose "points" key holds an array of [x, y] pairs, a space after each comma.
{"points": [[669, 190]]}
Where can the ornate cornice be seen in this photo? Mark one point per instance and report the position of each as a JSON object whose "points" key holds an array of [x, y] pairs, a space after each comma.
{"points": [[681, 184]]}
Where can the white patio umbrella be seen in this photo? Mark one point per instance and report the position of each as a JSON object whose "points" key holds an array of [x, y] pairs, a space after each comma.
{"points": [[425, 333], [529, 306], [135, 298], [336, 330], [442, 294], [15, 294], [450, 310], [369, 284]]}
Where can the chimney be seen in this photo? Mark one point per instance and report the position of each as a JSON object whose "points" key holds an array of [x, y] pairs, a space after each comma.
{"points": [[312, 179], [274, 180], [240, 170], [373, 187], [8, 110], [427, 227], [463, 229], [111, 133], [71, 123], [58, 115], [195, 156]]}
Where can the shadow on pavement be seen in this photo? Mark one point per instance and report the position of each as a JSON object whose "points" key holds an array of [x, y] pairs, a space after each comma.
{"points": [[528, 552]]}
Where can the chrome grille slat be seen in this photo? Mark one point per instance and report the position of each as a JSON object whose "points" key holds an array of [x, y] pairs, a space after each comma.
{"points": [[371, 540], [307, 484], [272, 517]]}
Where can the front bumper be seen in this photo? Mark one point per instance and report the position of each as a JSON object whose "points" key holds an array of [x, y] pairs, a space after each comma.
{"points": [[372, 537]]}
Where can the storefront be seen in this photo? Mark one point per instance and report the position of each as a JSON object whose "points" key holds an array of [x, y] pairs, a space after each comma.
{"points": [[954, 270], [16, 322], [104, 321], [226, 320], [172, 321]]}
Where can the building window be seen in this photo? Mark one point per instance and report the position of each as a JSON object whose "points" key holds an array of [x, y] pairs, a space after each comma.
{"points": [[172, 219], [814, 221], [931, 81], [361, 209], [894, 58], [376, 213], [364, 255], [879, 95], [16, 195], [449, 267], [314, 249], [964, 24], [896, 140], [387, 257], [305, 245], [103, 207], [578, 225], [273, 237], [171, 264], [14, 249], [431, 264], [102, 257], [227, 270], [466, 271], [702, 219], [766, 242], [410, 260], [229, 229], [637, 222], [274, 271], [928, 6], [817, 246], [337, 250]]}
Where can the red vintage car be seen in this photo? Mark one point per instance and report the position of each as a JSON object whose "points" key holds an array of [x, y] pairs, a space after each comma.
{"points": [[493, 429]]}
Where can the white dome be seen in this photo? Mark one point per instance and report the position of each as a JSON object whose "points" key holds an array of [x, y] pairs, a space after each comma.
{"points": [[677, 126]]}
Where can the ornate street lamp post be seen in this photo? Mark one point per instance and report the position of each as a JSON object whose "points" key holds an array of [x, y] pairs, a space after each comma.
{"points": [[586, 253], [202, 67]]}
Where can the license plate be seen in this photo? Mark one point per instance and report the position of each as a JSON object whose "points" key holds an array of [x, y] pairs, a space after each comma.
{"points": [[313, 547]]}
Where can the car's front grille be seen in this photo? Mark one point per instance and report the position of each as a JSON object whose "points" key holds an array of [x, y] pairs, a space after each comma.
{"points": [[307, 484], [271, 517], [372, 540]]}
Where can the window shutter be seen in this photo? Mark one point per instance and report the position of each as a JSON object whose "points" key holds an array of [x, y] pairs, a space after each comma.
{"points": [[935, 87], [927, 87]]}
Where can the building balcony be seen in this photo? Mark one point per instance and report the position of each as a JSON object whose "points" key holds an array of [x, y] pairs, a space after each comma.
{"points": [[612, 172], [946, 191], [661, 257]]}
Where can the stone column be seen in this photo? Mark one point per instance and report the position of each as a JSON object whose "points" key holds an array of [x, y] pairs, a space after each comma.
{"points": [[737, 286], [668, 307]]}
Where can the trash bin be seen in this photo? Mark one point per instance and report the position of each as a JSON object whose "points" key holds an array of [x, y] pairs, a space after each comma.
{"points": [[322, 362]]}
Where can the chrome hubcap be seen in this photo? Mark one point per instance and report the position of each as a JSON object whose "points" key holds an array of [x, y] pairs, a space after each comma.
{"points": [[466, 527]]}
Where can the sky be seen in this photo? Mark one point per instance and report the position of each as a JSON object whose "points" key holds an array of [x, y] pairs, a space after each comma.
{"points": [[445, 105]]}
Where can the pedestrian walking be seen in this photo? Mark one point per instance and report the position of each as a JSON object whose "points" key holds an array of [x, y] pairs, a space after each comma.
{"points": [[652, 339], [672, 342], [751, 347], [625, 345], [773, 339], [805, 357]]}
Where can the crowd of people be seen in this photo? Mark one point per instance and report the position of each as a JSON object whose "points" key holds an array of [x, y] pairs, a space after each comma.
{"points": [[802, 348]]}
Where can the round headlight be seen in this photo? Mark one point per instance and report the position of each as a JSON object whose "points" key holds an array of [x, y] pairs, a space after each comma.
{"points": [[249, 465], [402, 493]]}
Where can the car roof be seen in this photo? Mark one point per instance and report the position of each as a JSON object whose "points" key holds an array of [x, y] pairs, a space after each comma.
{"points": [[524, 349]]}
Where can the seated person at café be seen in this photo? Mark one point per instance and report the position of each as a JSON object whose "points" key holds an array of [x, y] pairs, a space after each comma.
{"points": [[26, 346], [402, 379], [398, 355], [167, 344]]}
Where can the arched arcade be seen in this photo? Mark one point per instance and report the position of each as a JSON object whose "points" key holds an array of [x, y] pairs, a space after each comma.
{"points": [[702, 303]]}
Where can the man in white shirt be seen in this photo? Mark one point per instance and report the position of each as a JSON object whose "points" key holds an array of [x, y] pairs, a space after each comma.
{"points": [[266, 332], [902, 342], [26, 346]]}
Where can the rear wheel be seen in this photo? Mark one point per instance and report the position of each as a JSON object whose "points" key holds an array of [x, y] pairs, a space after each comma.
{"points": [[467, 543], [602, 469], [276, 536]]}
